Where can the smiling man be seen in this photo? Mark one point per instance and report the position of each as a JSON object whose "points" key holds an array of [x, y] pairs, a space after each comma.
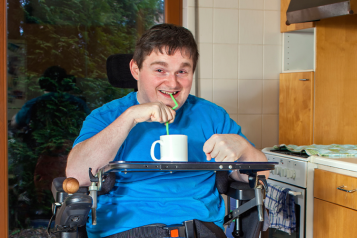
{"points": [[164, 61]]}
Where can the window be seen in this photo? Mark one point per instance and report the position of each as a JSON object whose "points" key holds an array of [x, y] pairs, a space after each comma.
{"points": [[56, 53]]}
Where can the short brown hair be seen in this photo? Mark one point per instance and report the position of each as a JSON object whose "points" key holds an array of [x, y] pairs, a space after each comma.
{"points": [[168, 37]]}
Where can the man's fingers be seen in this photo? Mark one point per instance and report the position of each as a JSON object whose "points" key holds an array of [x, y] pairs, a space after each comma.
{"points": [[208, 156], [209, 145]]}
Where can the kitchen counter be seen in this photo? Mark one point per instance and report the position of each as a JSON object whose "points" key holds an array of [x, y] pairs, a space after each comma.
{"points": [[349, 163]]}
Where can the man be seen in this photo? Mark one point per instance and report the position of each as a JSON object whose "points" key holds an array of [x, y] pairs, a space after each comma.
{"points": [[164, 62]]}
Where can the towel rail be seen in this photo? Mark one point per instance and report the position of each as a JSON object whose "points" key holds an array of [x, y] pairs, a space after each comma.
{"points": [[294, 193]]}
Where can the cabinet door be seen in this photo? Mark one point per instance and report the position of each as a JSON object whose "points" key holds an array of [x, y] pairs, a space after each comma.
{"points": [[326, 184], [331, 220], [336, 84], [293, 27], [296, 108]]}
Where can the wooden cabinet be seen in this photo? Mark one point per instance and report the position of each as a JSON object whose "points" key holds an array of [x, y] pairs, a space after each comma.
{"points": [[293, 27], [335, 213], [296, 108], [336, 84]]}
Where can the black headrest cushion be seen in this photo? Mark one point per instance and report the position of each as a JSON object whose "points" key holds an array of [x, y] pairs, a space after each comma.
{"points": [[118, 71]]}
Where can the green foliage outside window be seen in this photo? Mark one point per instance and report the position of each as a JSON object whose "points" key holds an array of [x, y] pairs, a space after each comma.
{"points": [[77, 35]]}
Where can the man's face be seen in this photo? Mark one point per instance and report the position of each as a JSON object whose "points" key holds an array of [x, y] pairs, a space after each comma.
{"points": [[162, 74]]}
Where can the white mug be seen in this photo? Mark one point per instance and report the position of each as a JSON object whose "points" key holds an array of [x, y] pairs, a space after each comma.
{"points": [[172, 148]]}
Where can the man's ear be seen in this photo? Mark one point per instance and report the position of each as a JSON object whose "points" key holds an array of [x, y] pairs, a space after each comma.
{"points": [[134, 69]]}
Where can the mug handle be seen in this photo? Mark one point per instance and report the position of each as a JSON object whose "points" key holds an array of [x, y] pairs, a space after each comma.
{"points": [[153, 147]]}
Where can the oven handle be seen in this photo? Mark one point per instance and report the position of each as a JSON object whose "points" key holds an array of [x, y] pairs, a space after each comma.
{"points": [[347, 191], [294, 193]]}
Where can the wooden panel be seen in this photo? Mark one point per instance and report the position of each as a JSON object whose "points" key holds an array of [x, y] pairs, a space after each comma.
{"points": [[3, 125], [173, 12], [296, 108], [336, 81], [331, 220], [293, 27], [325, 188]]}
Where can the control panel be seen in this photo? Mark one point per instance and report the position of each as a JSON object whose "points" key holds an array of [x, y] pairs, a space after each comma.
{"points": [[289, 171]]}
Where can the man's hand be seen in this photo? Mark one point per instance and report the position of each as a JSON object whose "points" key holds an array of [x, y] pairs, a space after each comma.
{"points": [[225, 147], [230, 148], [152, 112]]}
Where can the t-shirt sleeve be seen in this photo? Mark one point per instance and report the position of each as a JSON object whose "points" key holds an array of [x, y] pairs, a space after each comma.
{"points": [[95, 122]]}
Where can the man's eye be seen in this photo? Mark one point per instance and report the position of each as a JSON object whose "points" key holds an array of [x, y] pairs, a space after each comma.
{"points": [[182, 72], [159, 70]]}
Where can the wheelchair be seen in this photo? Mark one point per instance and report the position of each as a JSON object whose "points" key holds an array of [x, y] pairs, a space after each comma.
{"points": [[73, 203]]}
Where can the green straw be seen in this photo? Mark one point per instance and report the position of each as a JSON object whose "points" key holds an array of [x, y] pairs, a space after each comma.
{"points": [[176, 105]]}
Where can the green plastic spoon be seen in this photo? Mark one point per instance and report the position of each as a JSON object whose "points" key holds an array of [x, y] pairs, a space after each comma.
{"points": [[176, 105]]}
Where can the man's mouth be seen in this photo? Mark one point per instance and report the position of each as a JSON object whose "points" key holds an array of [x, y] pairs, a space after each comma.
{"points": [[168, 93]]}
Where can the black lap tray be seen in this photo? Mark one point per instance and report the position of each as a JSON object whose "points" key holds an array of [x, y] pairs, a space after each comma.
{"points": [[145, 166]]}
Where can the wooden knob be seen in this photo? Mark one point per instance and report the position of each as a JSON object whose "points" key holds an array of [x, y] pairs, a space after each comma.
{"points": [[70, 185]]}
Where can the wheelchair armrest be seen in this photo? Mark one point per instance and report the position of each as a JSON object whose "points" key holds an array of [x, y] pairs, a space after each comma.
{"points": [[240, 191]]}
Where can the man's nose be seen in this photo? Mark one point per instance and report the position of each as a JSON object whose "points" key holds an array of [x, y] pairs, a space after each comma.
{"points": [[171, 81]]}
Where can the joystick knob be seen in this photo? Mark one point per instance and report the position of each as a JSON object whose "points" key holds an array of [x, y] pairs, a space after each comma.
{"points": [[70, 185]]}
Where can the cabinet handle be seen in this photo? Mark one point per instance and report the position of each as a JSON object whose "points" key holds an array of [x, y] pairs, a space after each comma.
{"points": [[304, 79], [347, 191]]}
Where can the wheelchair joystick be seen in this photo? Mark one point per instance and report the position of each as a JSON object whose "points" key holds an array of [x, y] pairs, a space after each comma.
{"points": [[70, 185]]}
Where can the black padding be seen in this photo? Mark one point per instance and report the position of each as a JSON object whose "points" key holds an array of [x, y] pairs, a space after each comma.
{"points": [[108, 184], [222, 181], [208, 230], [118, 71], [57, 184], [240, 191], [251, 226]]}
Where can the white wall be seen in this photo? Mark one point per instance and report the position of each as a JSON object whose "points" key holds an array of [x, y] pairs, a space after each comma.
{"points": [[240, 47]]}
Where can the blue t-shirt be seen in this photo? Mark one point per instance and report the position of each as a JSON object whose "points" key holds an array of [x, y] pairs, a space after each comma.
{"points": [[139, 199]]}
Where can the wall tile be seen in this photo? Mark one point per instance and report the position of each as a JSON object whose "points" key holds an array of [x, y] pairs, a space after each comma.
{"points": [[190, 3], [271, 96], [206, 28], [252, 128], [272, 33], [205, 3], [272, 61], [270, 130], [234, 117], [205, 60], [272, 5], [251, 26], [250, 96], [225, 61], [250, 62], [225, 26], [206, 89], [184, 17], [191, 19], [251, 4], [225, 94], [225, 3]]}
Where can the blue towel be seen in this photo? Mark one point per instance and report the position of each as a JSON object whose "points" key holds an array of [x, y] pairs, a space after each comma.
{"points": [[281, 206]]}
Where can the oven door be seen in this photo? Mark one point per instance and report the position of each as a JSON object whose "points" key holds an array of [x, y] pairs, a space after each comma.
{"points": [[299, 211]]}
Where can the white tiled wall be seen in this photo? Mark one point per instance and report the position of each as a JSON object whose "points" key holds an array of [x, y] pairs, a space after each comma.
{"points": [[240, 48]]}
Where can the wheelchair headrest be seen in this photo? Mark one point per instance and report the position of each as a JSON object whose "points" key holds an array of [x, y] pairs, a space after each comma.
{"points": [[118, 71]]}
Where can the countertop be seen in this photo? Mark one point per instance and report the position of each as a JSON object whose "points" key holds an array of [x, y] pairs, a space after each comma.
{"points": [[349, 163]]}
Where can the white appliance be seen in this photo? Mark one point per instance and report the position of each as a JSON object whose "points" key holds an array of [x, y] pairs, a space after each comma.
{"points": [[296, 172]]}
